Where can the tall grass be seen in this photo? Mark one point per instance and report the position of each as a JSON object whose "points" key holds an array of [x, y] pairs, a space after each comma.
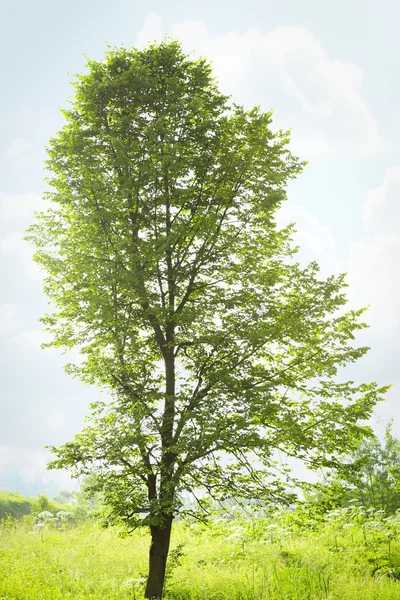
{"points": [[348, 558]]}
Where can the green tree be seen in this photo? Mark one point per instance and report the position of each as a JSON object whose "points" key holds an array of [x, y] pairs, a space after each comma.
{"points": [[166, 269], [370, 475], [64, 497], [42, 503]]}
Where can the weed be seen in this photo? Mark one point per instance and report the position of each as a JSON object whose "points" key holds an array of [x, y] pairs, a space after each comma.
{"points": [[353, 554]]}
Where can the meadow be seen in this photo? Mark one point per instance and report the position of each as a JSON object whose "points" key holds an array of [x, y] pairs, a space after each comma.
{"points": [[354, 555]]}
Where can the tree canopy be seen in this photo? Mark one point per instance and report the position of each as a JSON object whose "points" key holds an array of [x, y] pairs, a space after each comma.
{"points": [[166, 268]]}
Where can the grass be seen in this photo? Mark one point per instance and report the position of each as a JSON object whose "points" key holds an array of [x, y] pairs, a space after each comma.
{"points": [[345, 558], [14, 504]]}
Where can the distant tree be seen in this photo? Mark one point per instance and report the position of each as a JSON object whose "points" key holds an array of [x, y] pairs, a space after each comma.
{"points": [[41, 504], [64, 497], [370, 474], [88, 494], [167, 271]]}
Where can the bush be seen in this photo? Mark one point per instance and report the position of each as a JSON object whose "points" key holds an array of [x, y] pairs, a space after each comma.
{"points": [[43, 504], [14, 505]]}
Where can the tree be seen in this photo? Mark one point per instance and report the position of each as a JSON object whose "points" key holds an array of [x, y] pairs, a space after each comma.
{"points": [[370, 475], [64, 497], [41, 504], [166, 269]]}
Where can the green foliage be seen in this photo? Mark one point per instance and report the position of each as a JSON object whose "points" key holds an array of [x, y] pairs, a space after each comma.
{"points": [[370, 475], [353, 554], [13, 505], [64, 497], [42, 509], [165, 267], [375, 481], [42, 503], [88, 499]]}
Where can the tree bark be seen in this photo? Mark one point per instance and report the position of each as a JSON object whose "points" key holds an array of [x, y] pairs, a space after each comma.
{"points": [[160, 539]]}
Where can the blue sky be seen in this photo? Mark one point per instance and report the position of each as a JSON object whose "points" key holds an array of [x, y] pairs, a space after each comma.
{"points": [[329, 71]]}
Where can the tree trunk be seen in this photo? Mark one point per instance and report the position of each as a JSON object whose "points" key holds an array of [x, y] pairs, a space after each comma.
{"points": [[160, 538]]}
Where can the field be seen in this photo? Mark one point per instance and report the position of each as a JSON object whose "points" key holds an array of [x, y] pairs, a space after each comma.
{"points": [[352, 556]]}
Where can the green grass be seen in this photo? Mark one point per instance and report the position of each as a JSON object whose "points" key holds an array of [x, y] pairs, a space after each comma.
{"points": [[253, 560], [14, 505]]}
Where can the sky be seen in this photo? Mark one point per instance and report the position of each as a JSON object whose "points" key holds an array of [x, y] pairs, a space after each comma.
{"points": [[329, 70]]}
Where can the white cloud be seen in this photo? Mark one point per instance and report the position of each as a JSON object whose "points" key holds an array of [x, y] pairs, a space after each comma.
{"points": [[374, 261], [18, 152], [18, 207], [57, 419], [13, 246], [18, 148], [34, 461], [31, 339], [382, 208], [34, 465], [315, 239], [311, 234], [151, 30], [373, 274], [288, 70], [16, 214], [10, 318]]}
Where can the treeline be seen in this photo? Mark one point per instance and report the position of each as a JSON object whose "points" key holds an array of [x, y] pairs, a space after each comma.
{"points": [[79, 505]]}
